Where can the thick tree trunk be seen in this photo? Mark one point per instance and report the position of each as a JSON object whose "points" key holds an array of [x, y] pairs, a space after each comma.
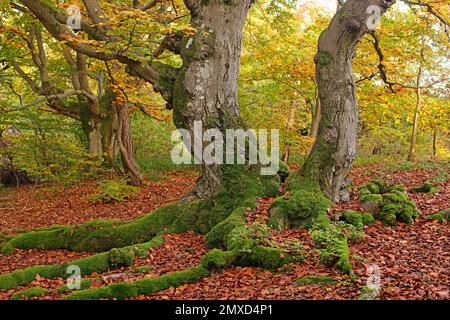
{"points": [[92, 127], [206, 87], [334, 151]]}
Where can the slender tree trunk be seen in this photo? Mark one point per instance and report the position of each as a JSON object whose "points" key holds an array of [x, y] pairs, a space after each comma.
{"points": [[435, 133], [206, 86], [412, 146], [289, 126], [334, 151], [125, 143]]}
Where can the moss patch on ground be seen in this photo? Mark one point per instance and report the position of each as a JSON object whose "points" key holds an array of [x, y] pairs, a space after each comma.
{"points": [[427, 187], [440, 216], [29, 293], [315, 279]]}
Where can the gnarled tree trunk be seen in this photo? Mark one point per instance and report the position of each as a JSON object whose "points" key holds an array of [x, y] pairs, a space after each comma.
{"points": [[334, 151], [206, 87]]}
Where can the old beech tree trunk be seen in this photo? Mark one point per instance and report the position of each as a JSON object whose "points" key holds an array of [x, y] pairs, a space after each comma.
{"points": [[333, 153], [206, 86]]}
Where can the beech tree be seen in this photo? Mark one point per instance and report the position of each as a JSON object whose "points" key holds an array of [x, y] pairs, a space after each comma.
{"points": [[106, 125]]}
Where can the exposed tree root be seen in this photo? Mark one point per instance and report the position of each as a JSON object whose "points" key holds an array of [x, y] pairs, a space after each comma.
{"points": [[221, 218], [125, 290], [102, 262]]}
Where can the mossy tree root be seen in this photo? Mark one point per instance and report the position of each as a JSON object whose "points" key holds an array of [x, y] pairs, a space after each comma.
{"points": [[241, 186], [102, 262], [125, 290]]}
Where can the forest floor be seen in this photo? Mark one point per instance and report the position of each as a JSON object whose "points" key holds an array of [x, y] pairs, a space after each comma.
{"points": [[414, 260]]}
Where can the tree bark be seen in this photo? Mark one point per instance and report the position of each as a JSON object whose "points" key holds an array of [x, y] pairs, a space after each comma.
{"points": [[205, 89], [334, 151], [316, 117], [125, 143], [435, 133], [289, 126], [412, 146]]}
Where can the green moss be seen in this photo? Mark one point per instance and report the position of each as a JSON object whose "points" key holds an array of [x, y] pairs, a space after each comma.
{"points": [[99, 263], [300, 209], [332, 244], [387, 217], [143, 269], [367, 218], [7, 249], [371, 198], [29, 293], [121, 258], [84, 284], [265, 257], [427, 187], [284, 171], [344, 263], [218, 236], [373, 188], [323, 59], [354, 218], [240, 240], [394, 203], [100, 235], [315, 279], [218, 259], [395, 197], [440, 216], [141, 287]]}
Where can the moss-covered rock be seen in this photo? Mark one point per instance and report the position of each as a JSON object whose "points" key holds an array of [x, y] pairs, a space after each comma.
{"points": [[29, 293], [390, 204], [344, 263], [218, 236], [298, 209], [315, 279], [367, 218], [354, 218]]}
